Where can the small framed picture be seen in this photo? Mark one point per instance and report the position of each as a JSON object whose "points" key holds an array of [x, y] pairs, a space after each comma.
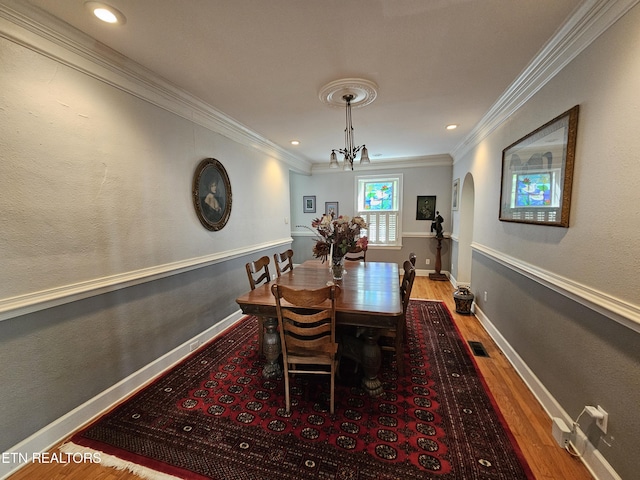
{"points": [[455, 195], [426, 207], [309, 204], [331, 208]]}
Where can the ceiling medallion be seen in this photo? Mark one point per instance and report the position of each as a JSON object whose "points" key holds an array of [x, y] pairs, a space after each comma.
{"points": [[350, 92], [364, 92]]}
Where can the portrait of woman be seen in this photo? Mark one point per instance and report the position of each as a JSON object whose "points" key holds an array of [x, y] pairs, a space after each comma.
{"points": [[212, 194], [212, 203]]}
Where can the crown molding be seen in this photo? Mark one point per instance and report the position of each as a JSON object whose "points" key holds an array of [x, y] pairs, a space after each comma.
{"points": [[45, 34], [587, 23]]}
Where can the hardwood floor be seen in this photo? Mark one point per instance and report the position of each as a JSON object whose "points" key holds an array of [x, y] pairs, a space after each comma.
{"points": [[527, 420]]}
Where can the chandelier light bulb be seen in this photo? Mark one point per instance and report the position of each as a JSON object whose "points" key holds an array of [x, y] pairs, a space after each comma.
{"points": [[333, 161], [364, 156]]}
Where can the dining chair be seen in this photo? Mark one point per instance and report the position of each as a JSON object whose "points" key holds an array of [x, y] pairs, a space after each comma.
{"points": [[258, 274], [308, 334], [412, 258], [283, 261], [357, 255], [398, 334]]}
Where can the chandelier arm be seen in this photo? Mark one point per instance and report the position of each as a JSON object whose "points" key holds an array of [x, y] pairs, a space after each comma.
{"points": [[350, 150]]}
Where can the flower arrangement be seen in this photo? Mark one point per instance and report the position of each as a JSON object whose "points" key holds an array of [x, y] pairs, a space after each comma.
{"points": [[338, 236]]}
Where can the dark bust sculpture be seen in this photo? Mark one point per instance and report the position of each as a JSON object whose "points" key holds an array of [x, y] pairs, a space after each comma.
{"points": [[436, 225]]}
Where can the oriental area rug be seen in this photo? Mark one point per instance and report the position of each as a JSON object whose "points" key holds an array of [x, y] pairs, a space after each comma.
{"points": [[214, 416]]}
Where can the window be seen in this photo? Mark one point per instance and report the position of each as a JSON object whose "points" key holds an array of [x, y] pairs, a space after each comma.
{"points": [[379, 203]]}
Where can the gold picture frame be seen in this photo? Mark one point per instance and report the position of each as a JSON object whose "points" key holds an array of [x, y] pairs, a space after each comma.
{"points": [[211, 194], [537, 173]]}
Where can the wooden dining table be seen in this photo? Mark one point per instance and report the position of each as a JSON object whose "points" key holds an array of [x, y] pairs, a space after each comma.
{"points": [[369, 300]]}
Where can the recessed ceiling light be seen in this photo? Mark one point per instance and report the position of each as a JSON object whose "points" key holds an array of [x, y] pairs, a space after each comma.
{"points": [[106, 13], [453, 126], [295, 142]]}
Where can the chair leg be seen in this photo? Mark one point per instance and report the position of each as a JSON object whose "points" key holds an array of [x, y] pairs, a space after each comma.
{"points": [[287, 398], [333, 388]]}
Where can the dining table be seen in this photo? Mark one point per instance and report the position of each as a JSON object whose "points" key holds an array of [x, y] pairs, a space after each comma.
{"points": [[369, 301]]}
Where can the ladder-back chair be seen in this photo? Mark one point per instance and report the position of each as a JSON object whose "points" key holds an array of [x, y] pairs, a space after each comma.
{"points": [[258, 274], [283, 261], [357, 255], [398, 333], [308, 334]]}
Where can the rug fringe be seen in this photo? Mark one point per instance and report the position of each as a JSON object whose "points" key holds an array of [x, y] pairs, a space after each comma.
{"points": [[114, 462]]}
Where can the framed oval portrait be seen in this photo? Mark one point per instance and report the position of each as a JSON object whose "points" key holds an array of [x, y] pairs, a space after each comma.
{"points": [[212, 194]]}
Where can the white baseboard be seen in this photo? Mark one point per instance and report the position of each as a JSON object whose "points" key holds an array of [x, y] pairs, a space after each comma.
{"points": [[423, 272], [590, 456], [49, 436]]}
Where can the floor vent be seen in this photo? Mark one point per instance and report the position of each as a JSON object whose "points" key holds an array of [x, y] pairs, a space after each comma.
{"points": [[478, 349]]}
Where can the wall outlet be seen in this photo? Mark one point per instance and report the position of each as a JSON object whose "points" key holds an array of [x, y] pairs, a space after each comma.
{"points": [[194, 345], [485, 296], [604, 421], [427, 261], [599, 415]]}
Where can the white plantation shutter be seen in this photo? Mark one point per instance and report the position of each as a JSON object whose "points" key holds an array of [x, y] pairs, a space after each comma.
{"points": [[372, 231], [383, 227], [392, 231]]}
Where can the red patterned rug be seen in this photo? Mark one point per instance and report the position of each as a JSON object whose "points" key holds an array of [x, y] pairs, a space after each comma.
{"points": [[215, 417]]}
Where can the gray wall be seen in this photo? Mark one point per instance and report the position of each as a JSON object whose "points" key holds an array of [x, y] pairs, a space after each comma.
{"points": [[56, 359], [581, 357], [105, 266], [566, 300], [95, 184], [428, 177]]}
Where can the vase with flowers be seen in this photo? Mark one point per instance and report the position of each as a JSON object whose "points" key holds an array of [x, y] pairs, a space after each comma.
{"points": [[335, 237]]}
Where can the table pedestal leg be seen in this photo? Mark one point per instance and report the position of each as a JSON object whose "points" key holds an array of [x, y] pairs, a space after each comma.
{"points": [[271, 348], [371, 362]]}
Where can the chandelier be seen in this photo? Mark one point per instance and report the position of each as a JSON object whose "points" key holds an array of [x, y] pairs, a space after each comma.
{"points": [[349, 92], [349, 151]]}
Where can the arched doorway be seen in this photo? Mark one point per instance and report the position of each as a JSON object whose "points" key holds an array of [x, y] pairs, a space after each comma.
{"points": [[465, 236]]}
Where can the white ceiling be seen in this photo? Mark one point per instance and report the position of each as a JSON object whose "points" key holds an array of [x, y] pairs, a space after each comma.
{"points": [[263, 62]]}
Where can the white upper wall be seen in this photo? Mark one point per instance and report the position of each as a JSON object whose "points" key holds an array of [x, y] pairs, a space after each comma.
{"points": [[96, 182], [599, 252]]}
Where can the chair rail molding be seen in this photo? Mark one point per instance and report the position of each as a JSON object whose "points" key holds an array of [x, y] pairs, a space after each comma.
{"points": [[53, 297], [614, 308]]}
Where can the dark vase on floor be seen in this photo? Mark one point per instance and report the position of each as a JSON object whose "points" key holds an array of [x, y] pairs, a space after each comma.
{"points": [[464, 299]]}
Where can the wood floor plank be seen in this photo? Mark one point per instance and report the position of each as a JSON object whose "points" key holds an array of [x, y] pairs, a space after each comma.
{"points": [[525, 417]]}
